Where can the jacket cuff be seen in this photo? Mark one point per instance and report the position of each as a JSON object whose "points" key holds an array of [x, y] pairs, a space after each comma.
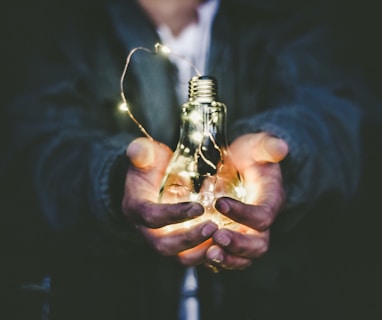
{"points": [[109, 173]]}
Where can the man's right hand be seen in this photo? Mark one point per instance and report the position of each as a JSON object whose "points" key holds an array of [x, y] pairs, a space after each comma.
{"points": [[149, 160]]}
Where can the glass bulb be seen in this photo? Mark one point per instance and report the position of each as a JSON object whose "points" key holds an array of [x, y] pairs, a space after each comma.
{"points": [[201, 169]]}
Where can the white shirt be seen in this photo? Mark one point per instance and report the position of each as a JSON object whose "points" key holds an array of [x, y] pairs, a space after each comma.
{"points": [[192, 44]]}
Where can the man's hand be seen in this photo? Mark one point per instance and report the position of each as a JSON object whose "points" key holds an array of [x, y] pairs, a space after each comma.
{"points": [[256, 157], [149, 160]]}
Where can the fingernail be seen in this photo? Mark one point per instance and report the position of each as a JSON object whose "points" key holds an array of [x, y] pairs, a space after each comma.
{"points": [[222, 239], [222, 206], [215, 255], [209, 229]]}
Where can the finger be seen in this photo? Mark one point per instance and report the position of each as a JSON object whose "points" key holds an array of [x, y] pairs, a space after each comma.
{"points": [[259, 217], [250, 244], [143, 152], [143, 179], [220, 259], [157, 215], [271, 149], [195, 256], [174, 242]]}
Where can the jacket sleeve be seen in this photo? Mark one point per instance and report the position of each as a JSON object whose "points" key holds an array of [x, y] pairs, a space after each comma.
{"points": [[301, 94], [64, 169]]}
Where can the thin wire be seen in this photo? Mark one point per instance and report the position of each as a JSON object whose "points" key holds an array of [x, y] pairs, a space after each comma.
{"points": [[140, 126], [159, 48], [164, 49]]}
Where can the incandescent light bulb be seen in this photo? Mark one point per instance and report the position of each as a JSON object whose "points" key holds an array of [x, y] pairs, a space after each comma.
{"points": [[201, 168]]}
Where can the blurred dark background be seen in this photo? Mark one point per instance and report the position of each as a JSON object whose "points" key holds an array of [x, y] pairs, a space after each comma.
{"points": [[357, 251], [351, 265]]}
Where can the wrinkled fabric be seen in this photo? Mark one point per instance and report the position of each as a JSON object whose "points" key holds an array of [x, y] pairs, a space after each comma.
{"points": [[66, 140]]}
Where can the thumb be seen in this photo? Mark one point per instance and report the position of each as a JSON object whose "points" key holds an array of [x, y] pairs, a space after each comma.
{"points": [[272, 149], [267, 148], [141, 153]]}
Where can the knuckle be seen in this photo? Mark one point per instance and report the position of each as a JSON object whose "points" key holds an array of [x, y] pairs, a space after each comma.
{"points": [[262, 248], [147, 219], [264, 224], [161, 248], [188, 240], [266, 220], [150, 218]]}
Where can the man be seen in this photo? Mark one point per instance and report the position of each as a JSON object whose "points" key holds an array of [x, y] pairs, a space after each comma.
{"points": [[90, 184]]}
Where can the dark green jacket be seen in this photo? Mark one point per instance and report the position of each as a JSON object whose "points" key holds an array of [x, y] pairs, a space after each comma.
{"points": [[64, 166]]}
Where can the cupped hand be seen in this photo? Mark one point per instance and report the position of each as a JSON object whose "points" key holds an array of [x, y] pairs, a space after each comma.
{"points": [[256, 157], [140, 206]]}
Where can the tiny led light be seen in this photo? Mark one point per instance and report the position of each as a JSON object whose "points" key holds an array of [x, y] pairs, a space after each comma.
{"points": [[197, 137], [123, 107], [162, 49], [195, 117]]}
